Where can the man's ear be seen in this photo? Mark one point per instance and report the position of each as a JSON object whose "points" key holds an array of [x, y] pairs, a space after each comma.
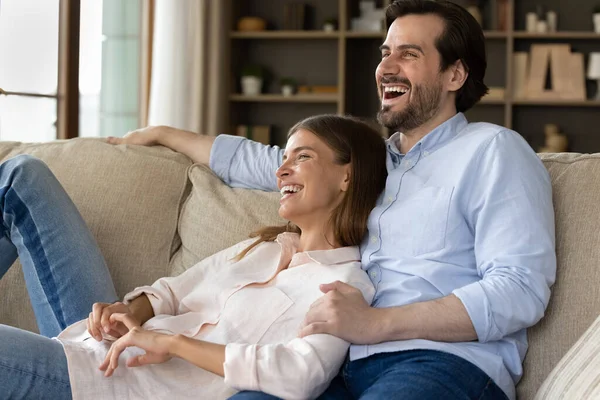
{"points": [[458, 76]]}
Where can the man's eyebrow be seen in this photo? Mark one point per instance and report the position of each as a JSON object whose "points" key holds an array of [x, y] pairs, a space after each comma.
{"points": [[403, 47], [298, 149]]}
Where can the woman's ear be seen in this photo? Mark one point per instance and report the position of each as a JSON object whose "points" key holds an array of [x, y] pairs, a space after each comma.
{"points": [[346, 182]]}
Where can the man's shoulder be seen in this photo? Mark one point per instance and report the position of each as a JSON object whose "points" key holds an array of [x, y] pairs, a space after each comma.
{"points": [[481, 135]]}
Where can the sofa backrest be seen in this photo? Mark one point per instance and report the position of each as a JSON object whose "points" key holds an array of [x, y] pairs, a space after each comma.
{"points": [[130, 199], [575, 301]]}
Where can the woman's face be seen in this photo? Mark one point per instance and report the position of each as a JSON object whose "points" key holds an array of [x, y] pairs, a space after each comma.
{"points": [[310, 182]]}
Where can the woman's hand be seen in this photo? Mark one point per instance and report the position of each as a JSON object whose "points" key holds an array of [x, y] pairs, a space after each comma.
{"points": [[156, 345], [99, 320], [148, 136]]}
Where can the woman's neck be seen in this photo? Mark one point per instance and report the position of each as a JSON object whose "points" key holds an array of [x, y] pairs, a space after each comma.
{"points": [[316, 239]]}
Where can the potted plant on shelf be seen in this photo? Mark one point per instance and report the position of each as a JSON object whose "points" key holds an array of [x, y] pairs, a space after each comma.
{"points": [[596, 18], [252, 79], [330, 24], [288, 86]]}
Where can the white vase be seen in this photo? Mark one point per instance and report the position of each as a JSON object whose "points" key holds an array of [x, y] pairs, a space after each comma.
{"points": [[287, 90], [596, 19], [251, 85], [329, 27]]}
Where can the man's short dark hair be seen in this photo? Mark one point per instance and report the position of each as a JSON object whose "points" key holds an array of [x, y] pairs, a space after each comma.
{"points": [[462, 39]]}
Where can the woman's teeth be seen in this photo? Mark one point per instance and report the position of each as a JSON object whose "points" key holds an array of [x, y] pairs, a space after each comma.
{"points": [[290, 189]]}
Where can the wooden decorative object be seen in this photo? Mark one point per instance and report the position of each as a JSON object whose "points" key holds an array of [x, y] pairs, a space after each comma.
{"points": [[577, 74], [538, 68], [567, 73], [251, 24], [556, 142]]}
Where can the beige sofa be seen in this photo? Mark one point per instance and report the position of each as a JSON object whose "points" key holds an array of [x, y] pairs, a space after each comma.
{"points": [[153, 214]]}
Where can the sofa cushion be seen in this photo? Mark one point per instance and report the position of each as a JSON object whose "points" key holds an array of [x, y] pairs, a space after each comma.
{"points": [[575, 300], [216, 216], [129, 196], [577, 375]]}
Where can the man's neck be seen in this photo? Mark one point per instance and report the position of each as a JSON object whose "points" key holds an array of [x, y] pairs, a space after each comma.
{"points": [[409, 138]]}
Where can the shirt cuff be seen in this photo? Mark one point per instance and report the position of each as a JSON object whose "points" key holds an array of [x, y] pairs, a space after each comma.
{"points": [[221, 154], [475, 300], [158, 306], [239, 369]]}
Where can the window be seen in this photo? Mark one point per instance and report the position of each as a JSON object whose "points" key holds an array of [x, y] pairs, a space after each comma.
{"points": [[70, 68]]}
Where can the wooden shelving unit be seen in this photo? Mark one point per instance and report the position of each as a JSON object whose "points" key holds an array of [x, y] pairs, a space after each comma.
{"points": [[348, 59], [278, 98]]}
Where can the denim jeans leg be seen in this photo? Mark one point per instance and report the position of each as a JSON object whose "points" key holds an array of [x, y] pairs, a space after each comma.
{"points": [[32, 366], [420, 375], [64, 270], [252, 395]]}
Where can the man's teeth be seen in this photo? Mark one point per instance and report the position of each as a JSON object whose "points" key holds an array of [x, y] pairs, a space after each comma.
{"points": [[290, 189], [399, 89]]}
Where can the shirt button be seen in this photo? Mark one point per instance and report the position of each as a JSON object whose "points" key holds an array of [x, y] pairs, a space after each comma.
{"points": [[373, 239], [426, 153], [373, 274], [389, 199]]}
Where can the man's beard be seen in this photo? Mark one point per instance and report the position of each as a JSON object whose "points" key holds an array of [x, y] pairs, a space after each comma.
{"points": [[423, 105]]}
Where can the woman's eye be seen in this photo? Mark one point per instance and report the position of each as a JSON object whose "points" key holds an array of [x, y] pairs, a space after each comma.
{"points": [[302, 156]]}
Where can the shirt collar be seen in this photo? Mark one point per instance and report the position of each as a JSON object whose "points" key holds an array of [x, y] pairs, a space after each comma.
{"points": [[437, 138], [290, 242]]}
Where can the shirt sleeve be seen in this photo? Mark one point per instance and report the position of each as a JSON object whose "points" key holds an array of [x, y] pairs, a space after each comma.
{"points": [[300, 369], [166, 293], [511, 213], [242, 163]]}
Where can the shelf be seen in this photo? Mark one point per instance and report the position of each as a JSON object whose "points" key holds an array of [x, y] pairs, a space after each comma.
{"points": [[558, 103], [318, 34], [557, 35], [485, 101], [278, 98], [364, 35], [285, 35], [495, 34]]}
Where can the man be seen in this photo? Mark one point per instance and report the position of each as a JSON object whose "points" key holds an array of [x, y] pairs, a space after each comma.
{"points": [[461, 244]]}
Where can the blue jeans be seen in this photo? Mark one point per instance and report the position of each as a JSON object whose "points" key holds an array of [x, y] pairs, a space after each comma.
{"points": [[64, 272], [407, 375]]}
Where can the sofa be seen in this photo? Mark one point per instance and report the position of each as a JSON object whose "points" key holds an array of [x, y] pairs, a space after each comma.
{"points": [[154, 213]]}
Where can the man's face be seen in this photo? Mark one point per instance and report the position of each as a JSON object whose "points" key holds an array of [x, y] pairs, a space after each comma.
{"points": [[409, 81]]}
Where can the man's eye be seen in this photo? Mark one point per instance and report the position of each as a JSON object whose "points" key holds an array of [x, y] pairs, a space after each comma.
{"points": [[302, 156], [384, 55], [409, 54]]}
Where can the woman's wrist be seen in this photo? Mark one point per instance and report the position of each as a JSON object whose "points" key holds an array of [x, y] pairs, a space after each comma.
{"points": [[174, 345]]}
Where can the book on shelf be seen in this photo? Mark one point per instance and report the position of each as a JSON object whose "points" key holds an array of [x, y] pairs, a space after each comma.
{"points": [[294, 16], [258, 133]]}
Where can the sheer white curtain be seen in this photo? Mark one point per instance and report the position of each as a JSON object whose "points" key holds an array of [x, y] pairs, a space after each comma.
{"points": [[187, 84]]}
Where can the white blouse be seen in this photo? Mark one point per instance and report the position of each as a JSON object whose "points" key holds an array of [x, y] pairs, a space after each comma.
{"points": [[254, 306]]}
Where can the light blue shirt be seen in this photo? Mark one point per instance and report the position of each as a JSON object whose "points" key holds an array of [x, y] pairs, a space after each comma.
{"points": [[468, 210]]}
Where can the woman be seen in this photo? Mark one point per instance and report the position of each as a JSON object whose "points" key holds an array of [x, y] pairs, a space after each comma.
{"points": [[228, 323]]}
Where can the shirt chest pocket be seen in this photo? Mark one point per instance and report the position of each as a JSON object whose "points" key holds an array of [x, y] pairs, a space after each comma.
{"points": [[423, 220], [251, 311]]}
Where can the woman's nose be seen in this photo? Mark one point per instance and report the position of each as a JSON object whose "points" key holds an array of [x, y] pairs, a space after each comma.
{"points": [[282, 171]]}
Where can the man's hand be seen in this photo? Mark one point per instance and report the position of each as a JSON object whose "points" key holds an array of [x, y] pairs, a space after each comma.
{"points": [[156, 345], [342, 312], [99, 320], [148, 136], [196, 147]]}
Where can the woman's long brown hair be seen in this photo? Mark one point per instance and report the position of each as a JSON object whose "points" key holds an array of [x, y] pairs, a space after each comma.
{"points": [[355, 142]]}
